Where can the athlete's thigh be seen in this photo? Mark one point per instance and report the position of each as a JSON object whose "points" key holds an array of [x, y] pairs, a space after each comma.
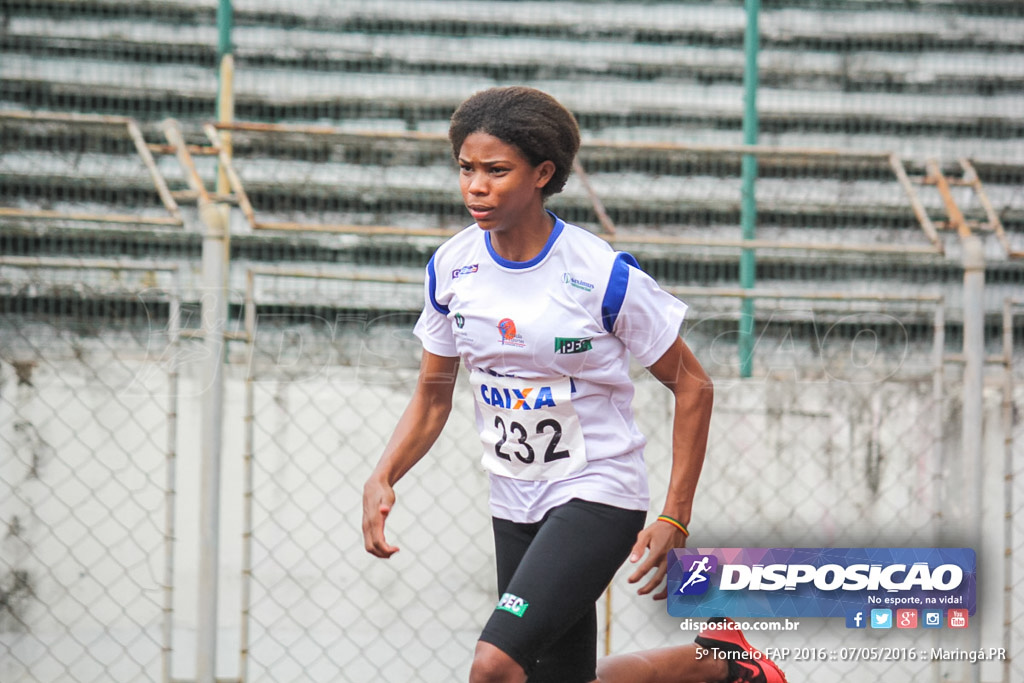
{"points": [[511, 541], [563, 572]]}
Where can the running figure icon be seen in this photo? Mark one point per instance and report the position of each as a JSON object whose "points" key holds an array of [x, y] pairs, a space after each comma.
{"points": [[697, 573]]}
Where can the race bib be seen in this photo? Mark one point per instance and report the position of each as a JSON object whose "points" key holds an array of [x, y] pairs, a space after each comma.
{"points": [[530, 427]]}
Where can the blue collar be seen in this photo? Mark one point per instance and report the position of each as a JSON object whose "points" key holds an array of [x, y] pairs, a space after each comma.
{"points": [[519, 265]]}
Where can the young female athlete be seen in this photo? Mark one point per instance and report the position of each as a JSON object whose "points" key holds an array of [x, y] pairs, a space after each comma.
{"points": [[544, 316]]}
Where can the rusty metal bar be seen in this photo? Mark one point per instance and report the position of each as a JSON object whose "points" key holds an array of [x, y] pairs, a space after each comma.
{"points": [[972, 179], [768, 244], [320, 274], [228, 169], [608, 228], [949, 225], [915, 203], [721, 292], [668, 240], [248, 454], [99, 264], [192, 195], [172, 131], [9, 212], [738, 293], [1009, 476], [225, 114], [756, 150], [170, 485], [355, 229], [255, 127], [58, 117], [141, 147], [194, 150], [956, 217], [739, 150], [602, 216], [158, 180]]}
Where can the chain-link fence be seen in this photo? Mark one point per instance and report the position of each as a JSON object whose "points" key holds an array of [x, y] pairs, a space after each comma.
{"points": [[845, 439], [849, 435], [88, 401], [1013, 449]]}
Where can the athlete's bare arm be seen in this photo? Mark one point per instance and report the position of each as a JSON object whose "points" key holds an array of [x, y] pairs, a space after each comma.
{"points": [[417, 429], [680, 371]]}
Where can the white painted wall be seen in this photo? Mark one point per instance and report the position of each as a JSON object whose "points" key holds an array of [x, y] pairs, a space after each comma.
{"points": [[801, 461]]}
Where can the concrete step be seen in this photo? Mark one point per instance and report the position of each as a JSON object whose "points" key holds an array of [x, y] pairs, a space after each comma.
{"points": [[970, 70], [424, 102]]}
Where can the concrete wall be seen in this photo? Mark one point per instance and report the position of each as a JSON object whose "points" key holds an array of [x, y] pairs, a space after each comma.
{"points": [[804, 461]]}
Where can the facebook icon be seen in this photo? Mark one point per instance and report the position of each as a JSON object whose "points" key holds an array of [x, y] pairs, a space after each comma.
{"points": [[856, 619]]}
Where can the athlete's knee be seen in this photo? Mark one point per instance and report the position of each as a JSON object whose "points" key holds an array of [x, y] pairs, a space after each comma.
{"points": [[492, 665]]}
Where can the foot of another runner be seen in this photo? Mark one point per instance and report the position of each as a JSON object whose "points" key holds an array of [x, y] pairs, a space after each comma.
{"points": [[746, 663], [718, 655]]}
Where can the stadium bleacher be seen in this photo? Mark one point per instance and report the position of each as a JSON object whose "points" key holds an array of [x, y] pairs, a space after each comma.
{"points": [[657, 88]]}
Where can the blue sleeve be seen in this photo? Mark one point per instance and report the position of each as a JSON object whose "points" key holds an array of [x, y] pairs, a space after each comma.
{"points": [[432, 287], [615, 294]]}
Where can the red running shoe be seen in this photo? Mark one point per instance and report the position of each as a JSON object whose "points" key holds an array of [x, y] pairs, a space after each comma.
{"points": [[746, 663]]}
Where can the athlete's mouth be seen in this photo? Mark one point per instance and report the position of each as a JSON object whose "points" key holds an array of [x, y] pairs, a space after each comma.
{"points": [[479, 212]]}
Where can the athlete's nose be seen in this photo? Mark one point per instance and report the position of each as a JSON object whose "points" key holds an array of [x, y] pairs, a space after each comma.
{"points": [[478, 184]]}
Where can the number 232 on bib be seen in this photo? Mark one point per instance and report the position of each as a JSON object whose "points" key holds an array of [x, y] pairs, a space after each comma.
{"points": [[530, 428]]}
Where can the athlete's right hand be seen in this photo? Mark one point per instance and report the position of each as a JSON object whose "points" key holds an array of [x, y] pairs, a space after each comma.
{"points": [[378, 499]]}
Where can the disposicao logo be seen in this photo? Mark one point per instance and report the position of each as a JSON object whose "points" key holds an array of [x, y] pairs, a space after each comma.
{"points": [[822, 582], [465, 270]]}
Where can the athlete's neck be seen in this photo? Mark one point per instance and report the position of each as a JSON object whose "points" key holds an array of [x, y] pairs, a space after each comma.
{"points": [[525, 240]]}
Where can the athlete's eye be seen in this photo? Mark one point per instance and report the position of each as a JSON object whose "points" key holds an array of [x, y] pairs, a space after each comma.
{"points": [[499, 170]]}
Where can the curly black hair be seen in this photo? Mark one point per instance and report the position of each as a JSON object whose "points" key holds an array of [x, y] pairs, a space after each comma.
{"points": [[529, 119]]}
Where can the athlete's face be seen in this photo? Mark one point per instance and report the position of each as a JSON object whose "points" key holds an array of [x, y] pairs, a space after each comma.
{"points": [[499, 185]]}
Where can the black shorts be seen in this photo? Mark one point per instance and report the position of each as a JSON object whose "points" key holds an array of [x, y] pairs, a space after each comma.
{"points": [[550, 576]]}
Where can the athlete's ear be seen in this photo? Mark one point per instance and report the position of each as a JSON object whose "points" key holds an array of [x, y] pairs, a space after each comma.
{"points": [[545, 170]]}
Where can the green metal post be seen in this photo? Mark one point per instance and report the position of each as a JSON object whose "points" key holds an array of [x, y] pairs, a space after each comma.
{"points": [[748, 207], [225, 22]]}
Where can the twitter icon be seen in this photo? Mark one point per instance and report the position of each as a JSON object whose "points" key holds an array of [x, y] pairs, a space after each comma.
{"points": [[881, 618]]}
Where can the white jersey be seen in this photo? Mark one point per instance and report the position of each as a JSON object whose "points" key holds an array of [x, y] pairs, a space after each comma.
{"points": [[547, 344]]}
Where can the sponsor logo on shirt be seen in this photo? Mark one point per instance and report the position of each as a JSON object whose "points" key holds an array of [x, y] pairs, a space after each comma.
{"points": [[465, 270], [460, 320], [573, 344], [509, 336], [518, 399], [512, 603], [568, 279]]}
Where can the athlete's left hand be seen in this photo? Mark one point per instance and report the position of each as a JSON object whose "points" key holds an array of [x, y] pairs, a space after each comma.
{"points": [[658, 538]]}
